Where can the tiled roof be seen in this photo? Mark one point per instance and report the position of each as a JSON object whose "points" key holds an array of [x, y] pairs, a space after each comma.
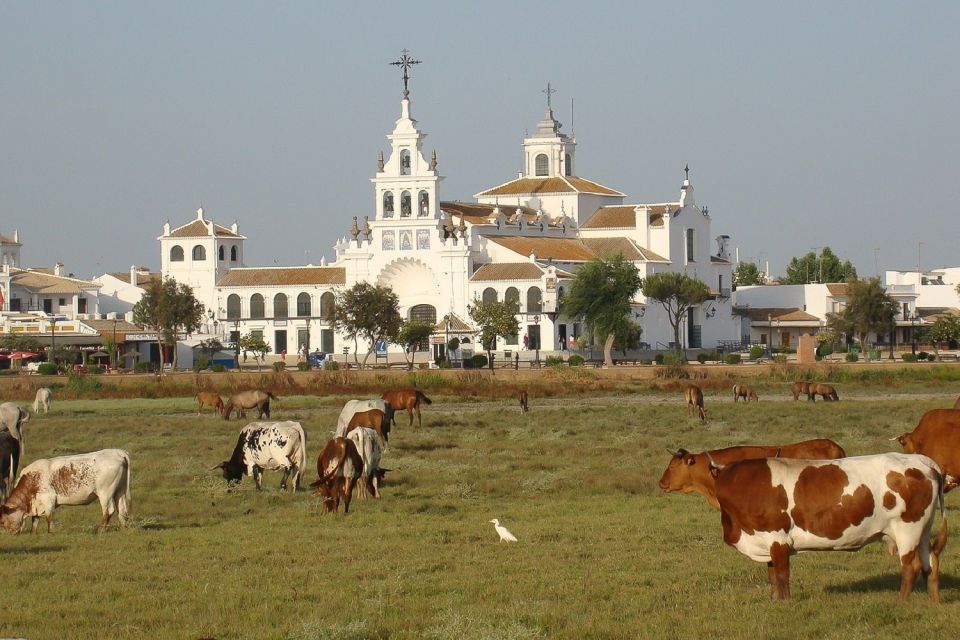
{"points": [[197, 229], [838, 289], [789, 314], [480, 213], [142, 278], [932, 313], [617, 217], [38, 282], [507, 271], [563, 249], [609, 247], [457, 325], [558, 184], [282, 276]]}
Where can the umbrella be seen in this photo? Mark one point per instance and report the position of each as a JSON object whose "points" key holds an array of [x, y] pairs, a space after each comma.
{"points": [[99, 354], [130, 354], [22, 355]]}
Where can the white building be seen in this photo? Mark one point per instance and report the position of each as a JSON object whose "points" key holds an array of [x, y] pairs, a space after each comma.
{"points": [[119, 292]]}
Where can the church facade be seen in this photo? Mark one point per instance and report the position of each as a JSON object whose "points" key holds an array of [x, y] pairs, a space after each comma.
{"points": [[521, 241]]}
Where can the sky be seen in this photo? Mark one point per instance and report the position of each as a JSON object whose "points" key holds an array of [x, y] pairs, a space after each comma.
{"points": [[805, 125]]}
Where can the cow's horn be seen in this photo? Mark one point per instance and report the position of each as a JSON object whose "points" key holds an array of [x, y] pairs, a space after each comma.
{"points": [[894, 438], [219, 466], [713, 462]]}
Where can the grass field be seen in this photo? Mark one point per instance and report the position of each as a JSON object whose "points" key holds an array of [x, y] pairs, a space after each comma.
{"points": [[603, 553]]}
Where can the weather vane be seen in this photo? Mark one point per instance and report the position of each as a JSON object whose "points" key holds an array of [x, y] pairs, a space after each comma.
{"points": [[405, 62], [548, 91]]}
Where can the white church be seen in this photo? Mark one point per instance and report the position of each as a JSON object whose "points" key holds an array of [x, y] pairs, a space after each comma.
{"points": [[520, 241]]}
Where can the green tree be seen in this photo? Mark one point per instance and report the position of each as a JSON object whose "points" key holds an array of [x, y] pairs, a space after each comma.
{"points": [[169, 308], [601, 294], [826, 267], [18, 342], [944, 329], [869, 309], [676, 292], [367, 311], [413, 335], [748, 273], [211, 347], [254, 343], [494, 318]]}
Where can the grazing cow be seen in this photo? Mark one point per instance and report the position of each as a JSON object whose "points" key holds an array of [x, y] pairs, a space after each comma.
{"points": [[800, 388], [244, 400], [690, 472], [368, 446], [210, 399], [43, 485], [372, 419], [408, 399], [772, 508], [338, 465], [819, 389], [42, 400], [745, 392], [937, 436], [9, 462], [267, 445], [353, 406], [694, 397], [12, 419], [523, 402]]}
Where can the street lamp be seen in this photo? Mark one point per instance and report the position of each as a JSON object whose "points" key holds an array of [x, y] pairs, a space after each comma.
{"points": [[536, 321], [769, 335], [53, 340], [914, 320], [116, 351], [236, 343]]}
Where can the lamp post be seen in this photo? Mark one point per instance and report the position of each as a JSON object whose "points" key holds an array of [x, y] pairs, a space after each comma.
{"points": [[115, 356], [236, 343], [536, 321], [53, 341], [769, 335], [913, 333]]}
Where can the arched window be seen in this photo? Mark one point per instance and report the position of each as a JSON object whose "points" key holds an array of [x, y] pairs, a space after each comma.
{"points": [[326, 306], [534, 300], [199, 253], [404, 163], [542, 165], [256, 306], [424, 313], [221, 253], [405, 204], [280, 306], [388, 204], [512, 297], [303, 305], [233, 253], [423, 204], [690, 245], [489, 295], [567, 165], [233, 307], [176, 253]]}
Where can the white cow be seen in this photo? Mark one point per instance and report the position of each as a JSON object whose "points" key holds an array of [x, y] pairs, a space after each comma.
{"points": [[268, 445], [356, 406], [70, 480], [370, 449], [12, 419], [42, 400]]}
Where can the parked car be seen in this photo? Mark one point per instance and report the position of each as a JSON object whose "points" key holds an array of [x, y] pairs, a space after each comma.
{"points": [[316, 359]]}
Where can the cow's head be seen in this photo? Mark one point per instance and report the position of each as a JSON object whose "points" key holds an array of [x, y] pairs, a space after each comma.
{"points": [[906, 441], [231, 472], [11, 518], [681, 471], [327, 489]]}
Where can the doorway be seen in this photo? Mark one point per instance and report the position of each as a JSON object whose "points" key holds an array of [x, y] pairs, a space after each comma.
{"points": [[280, 341]]}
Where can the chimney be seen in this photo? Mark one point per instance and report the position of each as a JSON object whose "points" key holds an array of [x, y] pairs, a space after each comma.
{"points": [[58, 269], [133, 275]]}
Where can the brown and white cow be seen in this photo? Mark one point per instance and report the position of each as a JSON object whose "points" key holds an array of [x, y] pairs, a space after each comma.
{"points": [[352, 407], [937, 436], [43, 485], [772, 508], [370, 447], [523, 396], [694, 397], [371, 419], [338, 465], [745, 392], [690, 472]]}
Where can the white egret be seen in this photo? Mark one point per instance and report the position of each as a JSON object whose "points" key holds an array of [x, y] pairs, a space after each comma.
{"points": [[503, 532]]}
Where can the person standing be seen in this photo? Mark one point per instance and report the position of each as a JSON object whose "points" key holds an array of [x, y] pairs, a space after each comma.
{"points": [[571, 343], [561, 345]]}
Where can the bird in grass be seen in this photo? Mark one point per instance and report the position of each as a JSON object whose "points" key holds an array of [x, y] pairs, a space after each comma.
{"points": [[503, 532]]}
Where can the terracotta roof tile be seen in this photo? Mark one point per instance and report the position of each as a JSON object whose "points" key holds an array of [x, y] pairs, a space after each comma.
{"points": [[838, 289], [788, 314], [609, 247], [46, 283], [507, 271], [480, 213], [197, 229], [563, 249], [142, 278], [617, 217], [457, 325], [282, 276], [569, 184]]}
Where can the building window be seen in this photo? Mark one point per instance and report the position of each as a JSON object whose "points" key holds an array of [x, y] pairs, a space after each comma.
{"points": [[233, 253], [423, 238], [567, 165], [81, 305], [199, 253], [404, 163], [233, 307], [280, 306], [512, 297], [61, 302], [690, 245], [326, 306], [303, 304], [176, 253], [534, 300], [489, 295], [388, 204], [221, 253], [423, 204], [405, 204], [424, 313], [256, 306], [542, 165]]}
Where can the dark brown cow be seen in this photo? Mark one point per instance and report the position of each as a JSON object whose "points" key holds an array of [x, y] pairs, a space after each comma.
{"points": [[339, 466], [800, 388], [256, 398], [524, 407], [819, 389], [745, 392], [210, 399], [694, 397], [408, 399], [373, 418], [937, 436], [774, 507], [690, 472]]}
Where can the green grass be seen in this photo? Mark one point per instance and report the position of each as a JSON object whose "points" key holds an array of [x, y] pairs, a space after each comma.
{"points": [[603, 553]]}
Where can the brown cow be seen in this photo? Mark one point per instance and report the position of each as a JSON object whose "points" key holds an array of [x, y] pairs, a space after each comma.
{"points": [[408, 399], [244, 400], [745, 392], [524, 407], [694, 397], [690, 472], [800, 388], [825, 390], [372, 418], [339, 466], [956, 405], [210, 399], [937, 436]]}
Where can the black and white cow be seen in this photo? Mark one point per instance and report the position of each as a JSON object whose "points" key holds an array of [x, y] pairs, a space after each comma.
{"points": [[267, 445]]}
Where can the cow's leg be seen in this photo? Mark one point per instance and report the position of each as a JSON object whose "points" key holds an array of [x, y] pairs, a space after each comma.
{"points": [[266, 409], [419, 419], [50, 522], [909, 570], [34, 521], [347, 493], [780, 557], [283, 480], [257, 477]]}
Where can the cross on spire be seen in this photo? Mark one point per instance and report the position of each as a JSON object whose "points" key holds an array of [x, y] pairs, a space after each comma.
{"points": [[686, 170], [548, 91], [405, 62]]}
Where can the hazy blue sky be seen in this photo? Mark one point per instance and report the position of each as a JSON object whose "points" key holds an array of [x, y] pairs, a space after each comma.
{"points": [[807, 125]]}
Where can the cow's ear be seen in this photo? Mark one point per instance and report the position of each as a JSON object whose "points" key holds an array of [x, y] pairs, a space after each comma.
{"points": [[714, 471], [690, 460]]}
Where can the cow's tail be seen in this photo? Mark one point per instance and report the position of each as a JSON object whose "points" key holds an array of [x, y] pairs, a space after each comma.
{"points": [[125, 502], [329, 475], [36, 404], [421, 396]]}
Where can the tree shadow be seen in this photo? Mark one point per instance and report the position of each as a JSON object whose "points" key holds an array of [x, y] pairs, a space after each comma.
{"points": [[890, 582], [32, 551]]}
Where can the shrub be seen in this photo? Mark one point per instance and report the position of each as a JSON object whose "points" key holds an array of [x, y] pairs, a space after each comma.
{"points": [[780, 358], [701, 358], [824, 350], [453, 344], [279, 366], [922, 355], [658, 358], [852, 357], [331, 365], [444, 363], [478, 361], [303, 366], [553, 361], [672, 359], [201, 363], [95, 369], [218, 368], [47, 369], [931, 357], [646, 361], [82, 384], [732, 358], [756, 351], [575, 360], [909, 357], [143, 367]]}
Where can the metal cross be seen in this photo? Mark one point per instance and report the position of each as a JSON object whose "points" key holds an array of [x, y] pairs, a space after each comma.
{"points": [[405, 62], [686, 170], [548, 91]]}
